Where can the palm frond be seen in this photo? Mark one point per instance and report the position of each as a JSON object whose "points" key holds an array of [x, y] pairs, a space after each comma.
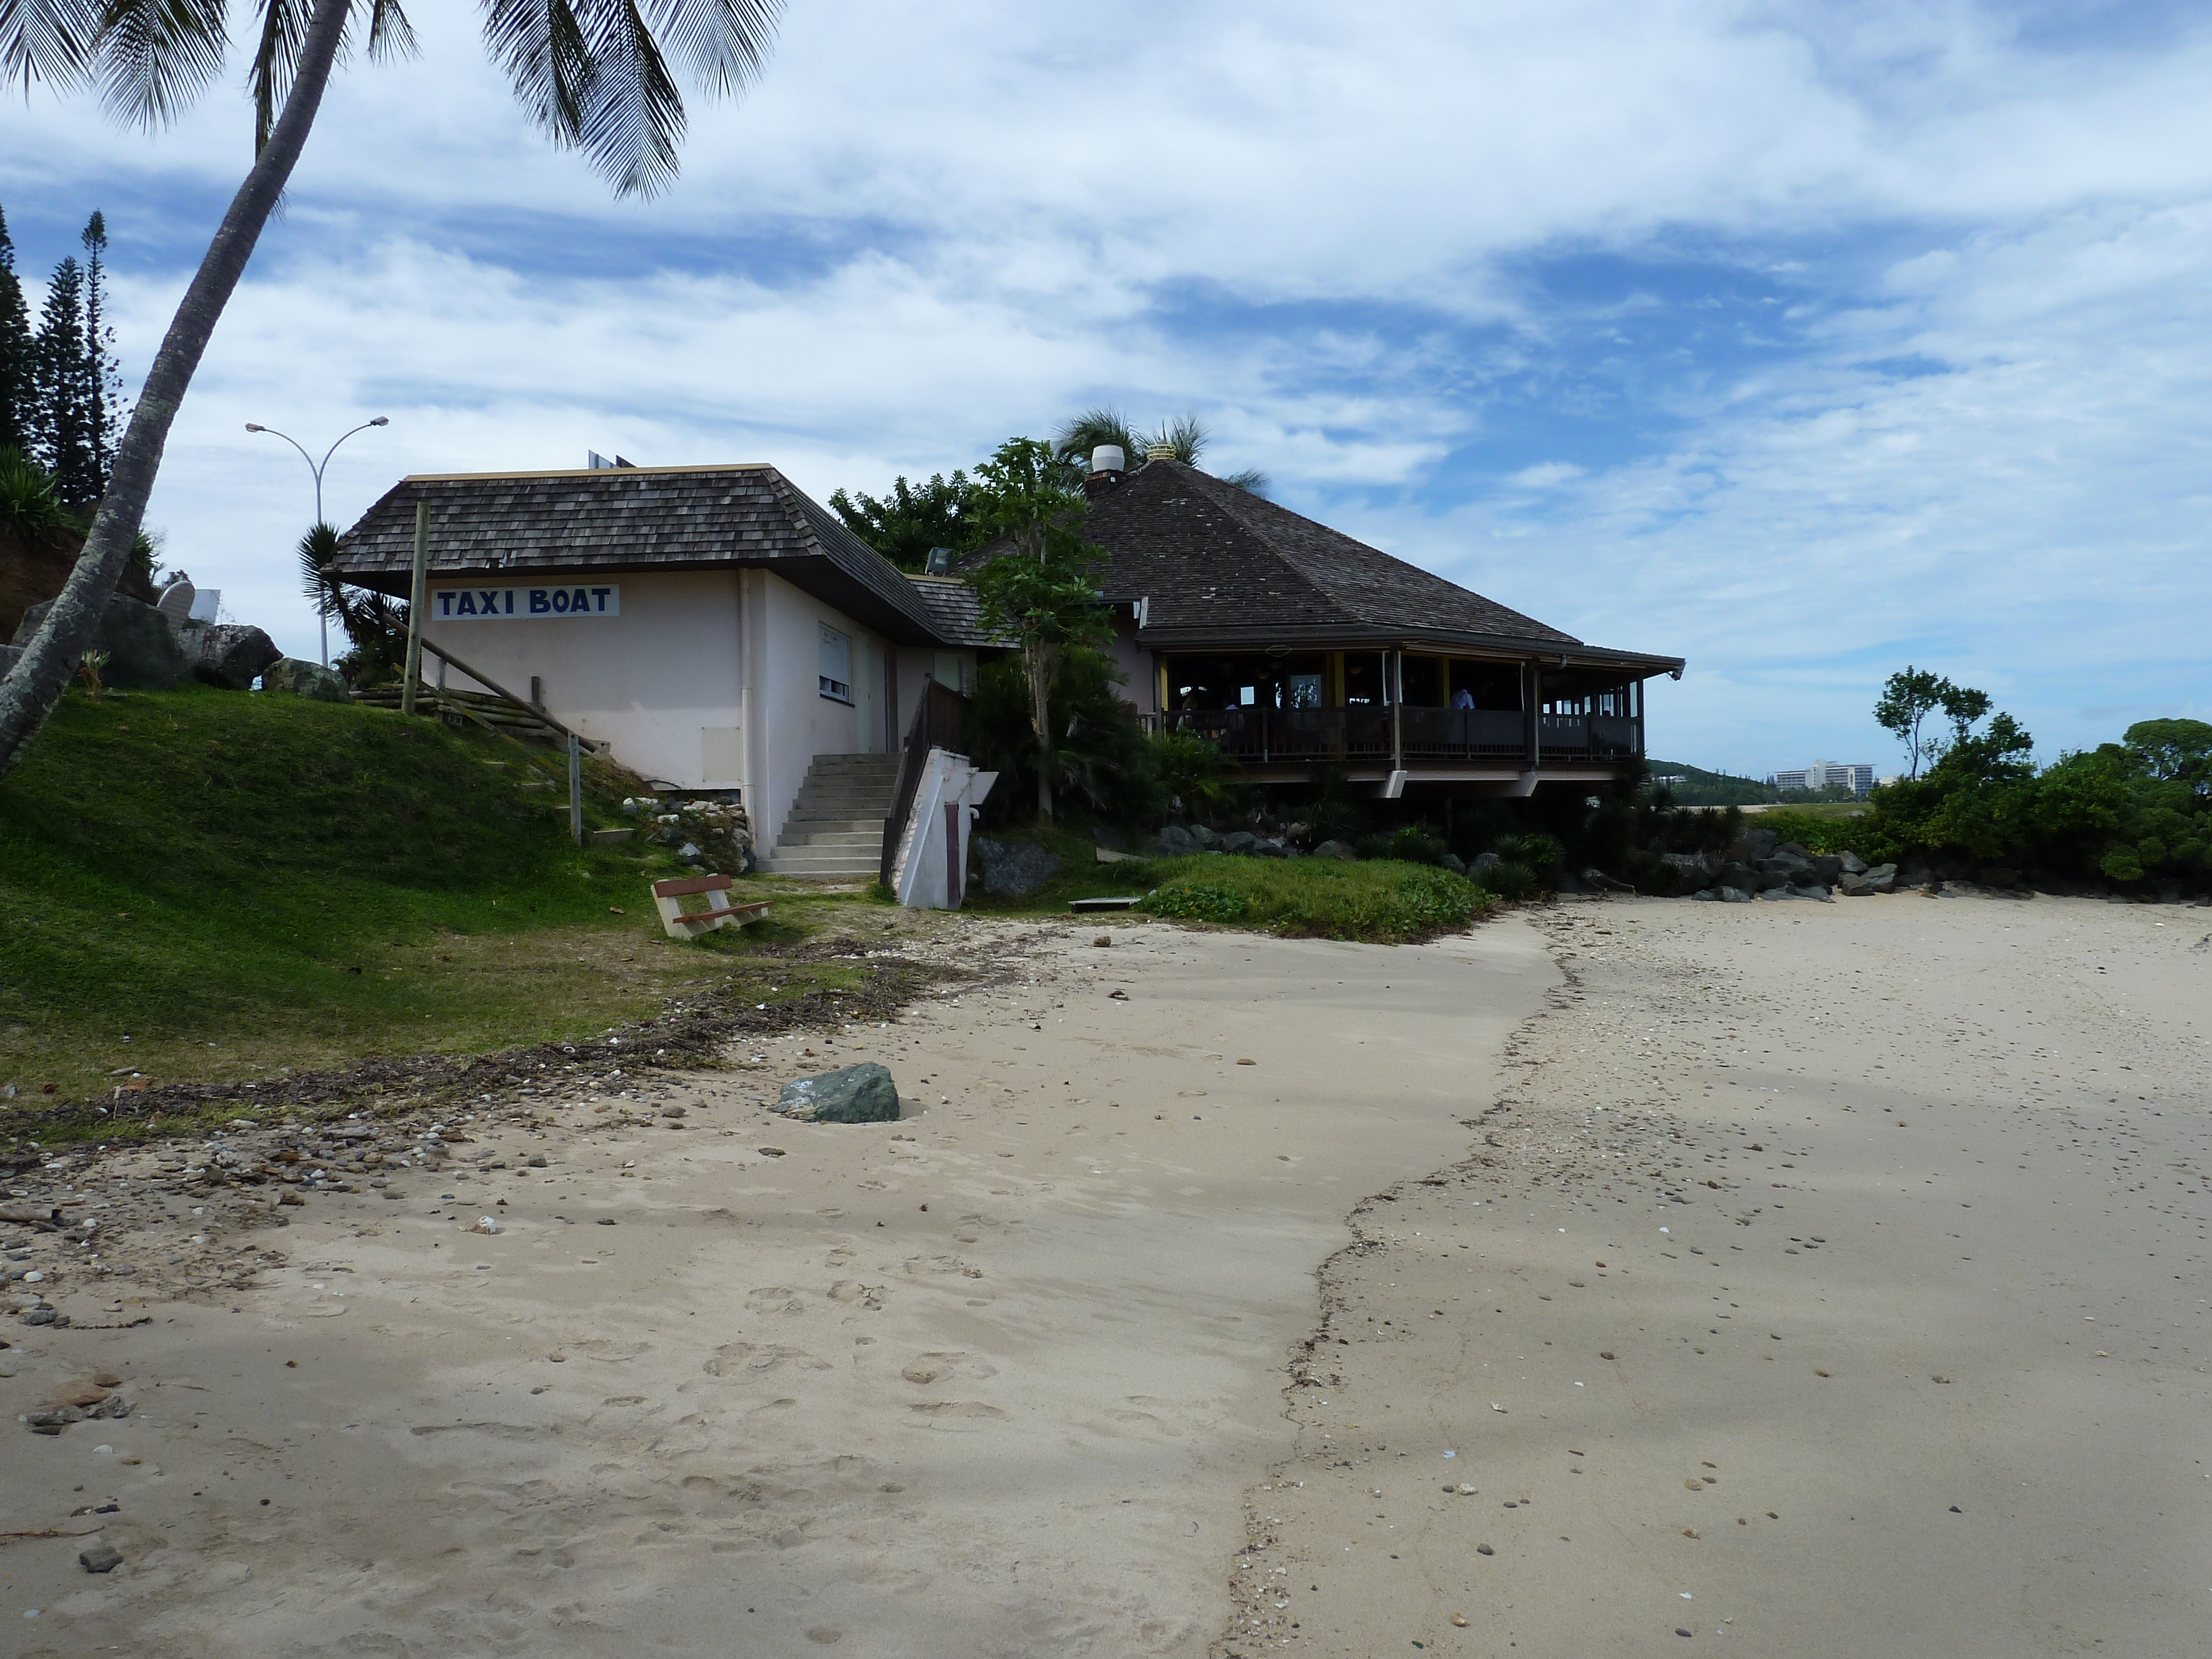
{"points": [[391, 36], [1104, 424], [50, 41], [318, 547], [724, 43], [155, 56], [541, 45], [635, 115], [1184, 436], [1251, 479], [283, 26]]}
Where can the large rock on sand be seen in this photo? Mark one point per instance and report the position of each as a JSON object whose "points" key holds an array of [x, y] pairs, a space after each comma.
{"points": [[229, 654], [853, 1094]]}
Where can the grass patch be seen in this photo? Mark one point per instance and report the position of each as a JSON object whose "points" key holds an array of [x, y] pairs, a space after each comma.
{"points": [[209, 885], [1381, 901], [1827, 828]]}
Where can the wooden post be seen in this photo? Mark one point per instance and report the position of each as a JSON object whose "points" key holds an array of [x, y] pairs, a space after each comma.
{"points": [[575, 790], [1396, 666], [418, 600]]}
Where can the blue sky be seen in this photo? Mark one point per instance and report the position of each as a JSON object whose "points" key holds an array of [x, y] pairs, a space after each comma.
{"points": [[1800, 341]]}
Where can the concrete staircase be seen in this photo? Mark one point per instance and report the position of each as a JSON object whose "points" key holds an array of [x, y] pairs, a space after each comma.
{"points": [[836, 829]]}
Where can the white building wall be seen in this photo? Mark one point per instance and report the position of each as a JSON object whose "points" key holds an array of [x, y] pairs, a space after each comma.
{"points": [[661, 682], [705, 680]]}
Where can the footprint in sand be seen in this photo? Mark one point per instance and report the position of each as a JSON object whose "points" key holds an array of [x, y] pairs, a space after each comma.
{"points": [[747, 1358], [957, 1414], [773, 1298], [930, 1367]]}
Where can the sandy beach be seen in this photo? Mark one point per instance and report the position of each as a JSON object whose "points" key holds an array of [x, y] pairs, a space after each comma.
{"points": [[1812, 1279]]}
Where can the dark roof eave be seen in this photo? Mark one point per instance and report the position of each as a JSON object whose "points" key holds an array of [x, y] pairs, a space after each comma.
{"points": [[1326, 636]]}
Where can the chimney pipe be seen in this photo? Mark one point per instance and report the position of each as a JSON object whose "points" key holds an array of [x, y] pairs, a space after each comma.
{"points": [[1109, 463]]}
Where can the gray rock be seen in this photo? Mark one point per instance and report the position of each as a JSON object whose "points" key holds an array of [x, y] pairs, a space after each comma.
{"points": [[1173, 842], [1734, 896], [1755, 844], [1454, 863], [142, 654], [1269, 849], [1735, 874], [1853, 886], [9, 656], [1012, 868], [1692, 867], [1335, 849], [305, 680], [1204, 839], [1811, 891], [852, 1094], [1853, 864], [1708, 896], [689, 852], [1827, 866], [1239, 841], [1881, 879], [101, 1558], [228, 654]]}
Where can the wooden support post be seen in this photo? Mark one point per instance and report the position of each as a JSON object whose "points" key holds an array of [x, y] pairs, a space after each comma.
{"points": [[1396, 665], [418, 600], [575, 790]]}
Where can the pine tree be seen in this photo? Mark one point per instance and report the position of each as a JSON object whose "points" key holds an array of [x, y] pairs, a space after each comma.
{"points": [[64, 415], [17, 384], [102, 375]]}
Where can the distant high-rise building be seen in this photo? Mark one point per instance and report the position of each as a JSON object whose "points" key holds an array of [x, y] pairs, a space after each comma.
{"points": [[1828, 775]]}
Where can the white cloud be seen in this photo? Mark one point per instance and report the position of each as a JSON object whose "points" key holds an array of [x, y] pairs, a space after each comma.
{"points": [[1315, 226]]}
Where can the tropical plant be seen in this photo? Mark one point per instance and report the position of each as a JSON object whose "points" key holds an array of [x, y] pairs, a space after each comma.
{"points": [[31, 509], [1184, 436], [1515, 882], [1039, 591], [1195, 772], [593, 73]]}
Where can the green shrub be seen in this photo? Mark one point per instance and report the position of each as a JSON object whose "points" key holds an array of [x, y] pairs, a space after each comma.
{"points": [[1514, 883], [1817, 833], [1384, 901]]}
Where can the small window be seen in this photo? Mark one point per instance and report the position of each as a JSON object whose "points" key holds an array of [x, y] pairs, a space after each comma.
{"points": [[836, 666]]}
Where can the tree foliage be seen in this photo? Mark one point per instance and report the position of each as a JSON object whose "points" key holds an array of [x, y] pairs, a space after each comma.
{"points": [[2138, 811], [1184, 436], [61, 387], [905, 524]]}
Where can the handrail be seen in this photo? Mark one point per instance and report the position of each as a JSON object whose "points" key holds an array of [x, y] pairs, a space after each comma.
{"points": [[485, 679], [939, 722]]}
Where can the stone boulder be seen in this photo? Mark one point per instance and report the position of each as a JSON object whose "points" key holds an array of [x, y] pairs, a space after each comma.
{"points": [[1853, 864], [1204, 839], [1752, 845], [229, 654], [1239, 841], [1269, 849], [305, 680], [142, 654], [1454, 863], [1733, 894], [1173, 842], [1691, 871], [1881, 879], [1335, 849], [1851, 884], [1014, 868], [1481, 863], [853, 1094]]}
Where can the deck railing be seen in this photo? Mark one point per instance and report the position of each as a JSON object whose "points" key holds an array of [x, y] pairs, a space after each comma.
{"points": [[1335, 736], [939, 722]]}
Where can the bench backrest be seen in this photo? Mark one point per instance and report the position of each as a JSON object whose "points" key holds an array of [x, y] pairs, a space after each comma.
{"points": [[679, 886]]}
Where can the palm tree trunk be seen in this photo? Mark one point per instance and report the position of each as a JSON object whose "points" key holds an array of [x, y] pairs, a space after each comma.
{"points": [[1038, 662], [32, 689]]}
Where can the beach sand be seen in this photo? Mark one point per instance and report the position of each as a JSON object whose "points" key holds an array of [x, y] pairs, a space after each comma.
{"points": [[993, 1380], [1810, 1278]]}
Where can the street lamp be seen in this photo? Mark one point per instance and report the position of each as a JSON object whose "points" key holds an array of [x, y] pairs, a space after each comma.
{"points": [[316, 467]]}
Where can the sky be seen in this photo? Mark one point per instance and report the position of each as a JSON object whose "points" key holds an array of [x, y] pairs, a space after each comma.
{"points": [[1800, 341]]}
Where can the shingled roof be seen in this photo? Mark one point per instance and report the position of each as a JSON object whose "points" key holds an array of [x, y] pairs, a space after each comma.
{"points": [[1218, 565], [606, 521], [959, 615]]}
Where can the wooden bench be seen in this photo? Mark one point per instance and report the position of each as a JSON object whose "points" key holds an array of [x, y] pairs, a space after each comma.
{"points": [[668, 898]]}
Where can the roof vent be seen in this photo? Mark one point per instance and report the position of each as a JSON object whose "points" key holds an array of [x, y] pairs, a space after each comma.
{"points": [[1159, 453], [595, 462], [1108, 458], [939, 563]]}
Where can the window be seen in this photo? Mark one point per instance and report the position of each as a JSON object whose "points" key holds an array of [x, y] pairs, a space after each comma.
{"points": [[836, 666]]}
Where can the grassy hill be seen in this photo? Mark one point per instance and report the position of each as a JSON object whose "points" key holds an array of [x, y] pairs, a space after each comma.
{"points": [[202, 884], [1704, 788]]}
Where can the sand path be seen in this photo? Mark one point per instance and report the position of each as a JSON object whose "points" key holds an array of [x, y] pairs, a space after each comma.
{"points": [[1830, 1280], [991, 1381]]}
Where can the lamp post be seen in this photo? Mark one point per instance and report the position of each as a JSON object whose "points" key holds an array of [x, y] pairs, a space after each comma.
{"points": [[316, 467]]}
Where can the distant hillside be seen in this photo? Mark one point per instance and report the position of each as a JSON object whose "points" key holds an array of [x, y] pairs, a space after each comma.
{"points": [[1704, 788]]}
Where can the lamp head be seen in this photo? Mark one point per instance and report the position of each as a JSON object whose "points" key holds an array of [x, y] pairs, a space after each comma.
{"points": [[381, 420], [252, 426]]}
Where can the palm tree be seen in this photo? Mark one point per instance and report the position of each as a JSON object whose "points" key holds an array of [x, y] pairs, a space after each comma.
{"points": [[592, 73], [1185, 437]]}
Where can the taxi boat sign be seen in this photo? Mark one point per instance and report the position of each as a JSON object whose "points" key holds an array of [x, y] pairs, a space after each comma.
{"points": [[521, 604]]}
